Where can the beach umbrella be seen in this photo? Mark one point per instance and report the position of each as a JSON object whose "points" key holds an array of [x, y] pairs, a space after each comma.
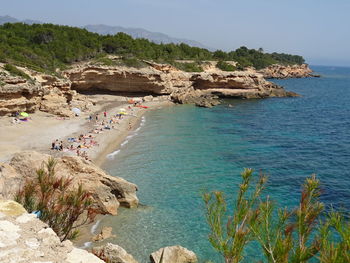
{"points": [[122, 112], [122, 109], [24, 114], [76, 111]]}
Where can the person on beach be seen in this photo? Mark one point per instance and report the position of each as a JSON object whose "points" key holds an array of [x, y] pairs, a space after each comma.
{"points": [[96, 117], [105, 114], [53, 145], [130, 126], [56, 145], [90, 118]]}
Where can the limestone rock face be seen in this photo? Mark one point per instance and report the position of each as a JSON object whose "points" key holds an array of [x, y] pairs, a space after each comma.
{"points": [[24, 238], [115, 253], [174, 254], [109, 192], [184, 87], [289, 71], [41, 92]]}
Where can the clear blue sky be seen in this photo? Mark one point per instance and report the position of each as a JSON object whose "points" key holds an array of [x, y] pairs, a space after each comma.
{"points": [[319, 30]]}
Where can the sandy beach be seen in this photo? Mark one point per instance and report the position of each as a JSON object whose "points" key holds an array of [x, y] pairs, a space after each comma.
{"points": [[42, 129]]}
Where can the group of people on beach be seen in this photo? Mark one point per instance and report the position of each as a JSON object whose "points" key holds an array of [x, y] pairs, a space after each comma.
{"points": [[79, 145]]}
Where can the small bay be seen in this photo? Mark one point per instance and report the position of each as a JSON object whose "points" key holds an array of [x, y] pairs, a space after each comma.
{"points": [[182, 151]]}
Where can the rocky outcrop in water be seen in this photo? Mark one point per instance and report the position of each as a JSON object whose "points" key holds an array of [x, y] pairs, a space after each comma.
{"points": [[290, 71], [24, 238], [108, 192], [174, 254], [114, 254]]}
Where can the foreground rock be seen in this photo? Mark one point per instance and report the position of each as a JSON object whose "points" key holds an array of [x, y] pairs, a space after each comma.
{"points": [[289, 71], [24, 238], [174, 254], [114, 254], [109, 192]]}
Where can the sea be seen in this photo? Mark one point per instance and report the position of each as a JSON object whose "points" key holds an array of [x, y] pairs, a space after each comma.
{"points": [[178, 153]]}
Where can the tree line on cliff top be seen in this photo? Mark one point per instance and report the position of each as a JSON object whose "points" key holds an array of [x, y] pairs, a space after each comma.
{"points": [[45, 47]]}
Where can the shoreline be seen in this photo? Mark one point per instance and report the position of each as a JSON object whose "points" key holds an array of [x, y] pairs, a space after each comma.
{"points": [[43, 128]]}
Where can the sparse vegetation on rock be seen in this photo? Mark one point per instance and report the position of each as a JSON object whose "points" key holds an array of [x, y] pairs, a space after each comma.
{"points": [[55, 203]]}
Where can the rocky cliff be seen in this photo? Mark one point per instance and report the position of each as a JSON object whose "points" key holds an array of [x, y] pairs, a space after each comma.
{"points": [[42, 92], [108, 192], [183, 87], [290, 71], [60, 95]]}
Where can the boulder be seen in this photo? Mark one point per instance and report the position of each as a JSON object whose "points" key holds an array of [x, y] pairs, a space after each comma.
{"points": [[114, 254], [24, 238], [106, 232], [108, 192], [173, 254]]}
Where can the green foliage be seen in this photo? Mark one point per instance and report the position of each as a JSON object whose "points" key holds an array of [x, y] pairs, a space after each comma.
{"points": [[188, 66], [231, 233], [58, 205], [225, 66], [45, 47], [132, 62], [299, 235], [15, 71]]}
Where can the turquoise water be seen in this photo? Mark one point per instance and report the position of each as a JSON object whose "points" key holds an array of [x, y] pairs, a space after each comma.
{"points": [[182, 151]]}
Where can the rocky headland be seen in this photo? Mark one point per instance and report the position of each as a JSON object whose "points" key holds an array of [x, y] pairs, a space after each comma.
{"points": [[289, 71], [58, 95]]}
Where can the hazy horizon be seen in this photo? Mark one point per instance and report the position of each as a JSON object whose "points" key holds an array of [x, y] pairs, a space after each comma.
{"points": [[313, 29]]}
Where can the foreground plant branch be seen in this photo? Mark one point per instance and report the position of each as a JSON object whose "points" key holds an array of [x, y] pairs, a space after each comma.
{"points": [[56, 202], [284, 235]]}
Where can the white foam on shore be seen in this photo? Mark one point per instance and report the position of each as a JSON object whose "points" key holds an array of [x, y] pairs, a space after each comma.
{"points": [[124, 142], [94, 227], [111, 155], [86, 245], [133, 134]]}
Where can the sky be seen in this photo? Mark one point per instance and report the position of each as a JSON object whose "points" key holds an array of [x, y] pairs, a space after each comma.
{"points": [[319, 30]]}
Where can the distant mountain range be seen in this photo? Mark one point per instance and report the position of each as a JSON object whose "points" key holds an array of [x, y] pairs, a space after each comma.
{"points": [[105, 29]]}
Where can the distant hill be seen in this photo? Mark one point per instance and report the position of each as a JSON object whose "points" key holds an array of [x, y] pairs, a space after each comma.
{"points": [[9, 19], [112, 30], [142, 33]]}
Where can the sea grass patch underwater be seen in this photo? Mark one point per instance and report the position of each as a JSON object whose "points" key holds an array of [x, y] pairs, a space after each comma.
{"points": [[184, 151]]}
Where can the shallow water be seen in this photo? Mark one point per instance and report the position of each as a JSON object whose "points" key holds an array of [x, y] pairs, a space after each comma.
{"points": [[182, 151]]}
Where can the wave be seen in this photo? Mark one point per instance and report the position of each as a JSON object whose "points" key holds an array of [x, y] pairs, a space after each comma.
{"points": [[111, 155], [124, 142], [95, 226]]}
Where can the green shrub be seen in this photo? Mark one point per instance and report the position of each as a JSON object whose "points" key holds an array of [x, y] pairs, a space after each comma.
{"points": [[57, 204], [13, 70], [304, 234], [132, 62], [188, 67], [224, 66]]}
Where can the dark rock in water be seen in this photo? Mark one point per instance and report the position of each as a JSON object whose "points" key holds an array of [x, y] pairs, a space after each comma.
{"points": [[207, 101], [192, 96]]}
